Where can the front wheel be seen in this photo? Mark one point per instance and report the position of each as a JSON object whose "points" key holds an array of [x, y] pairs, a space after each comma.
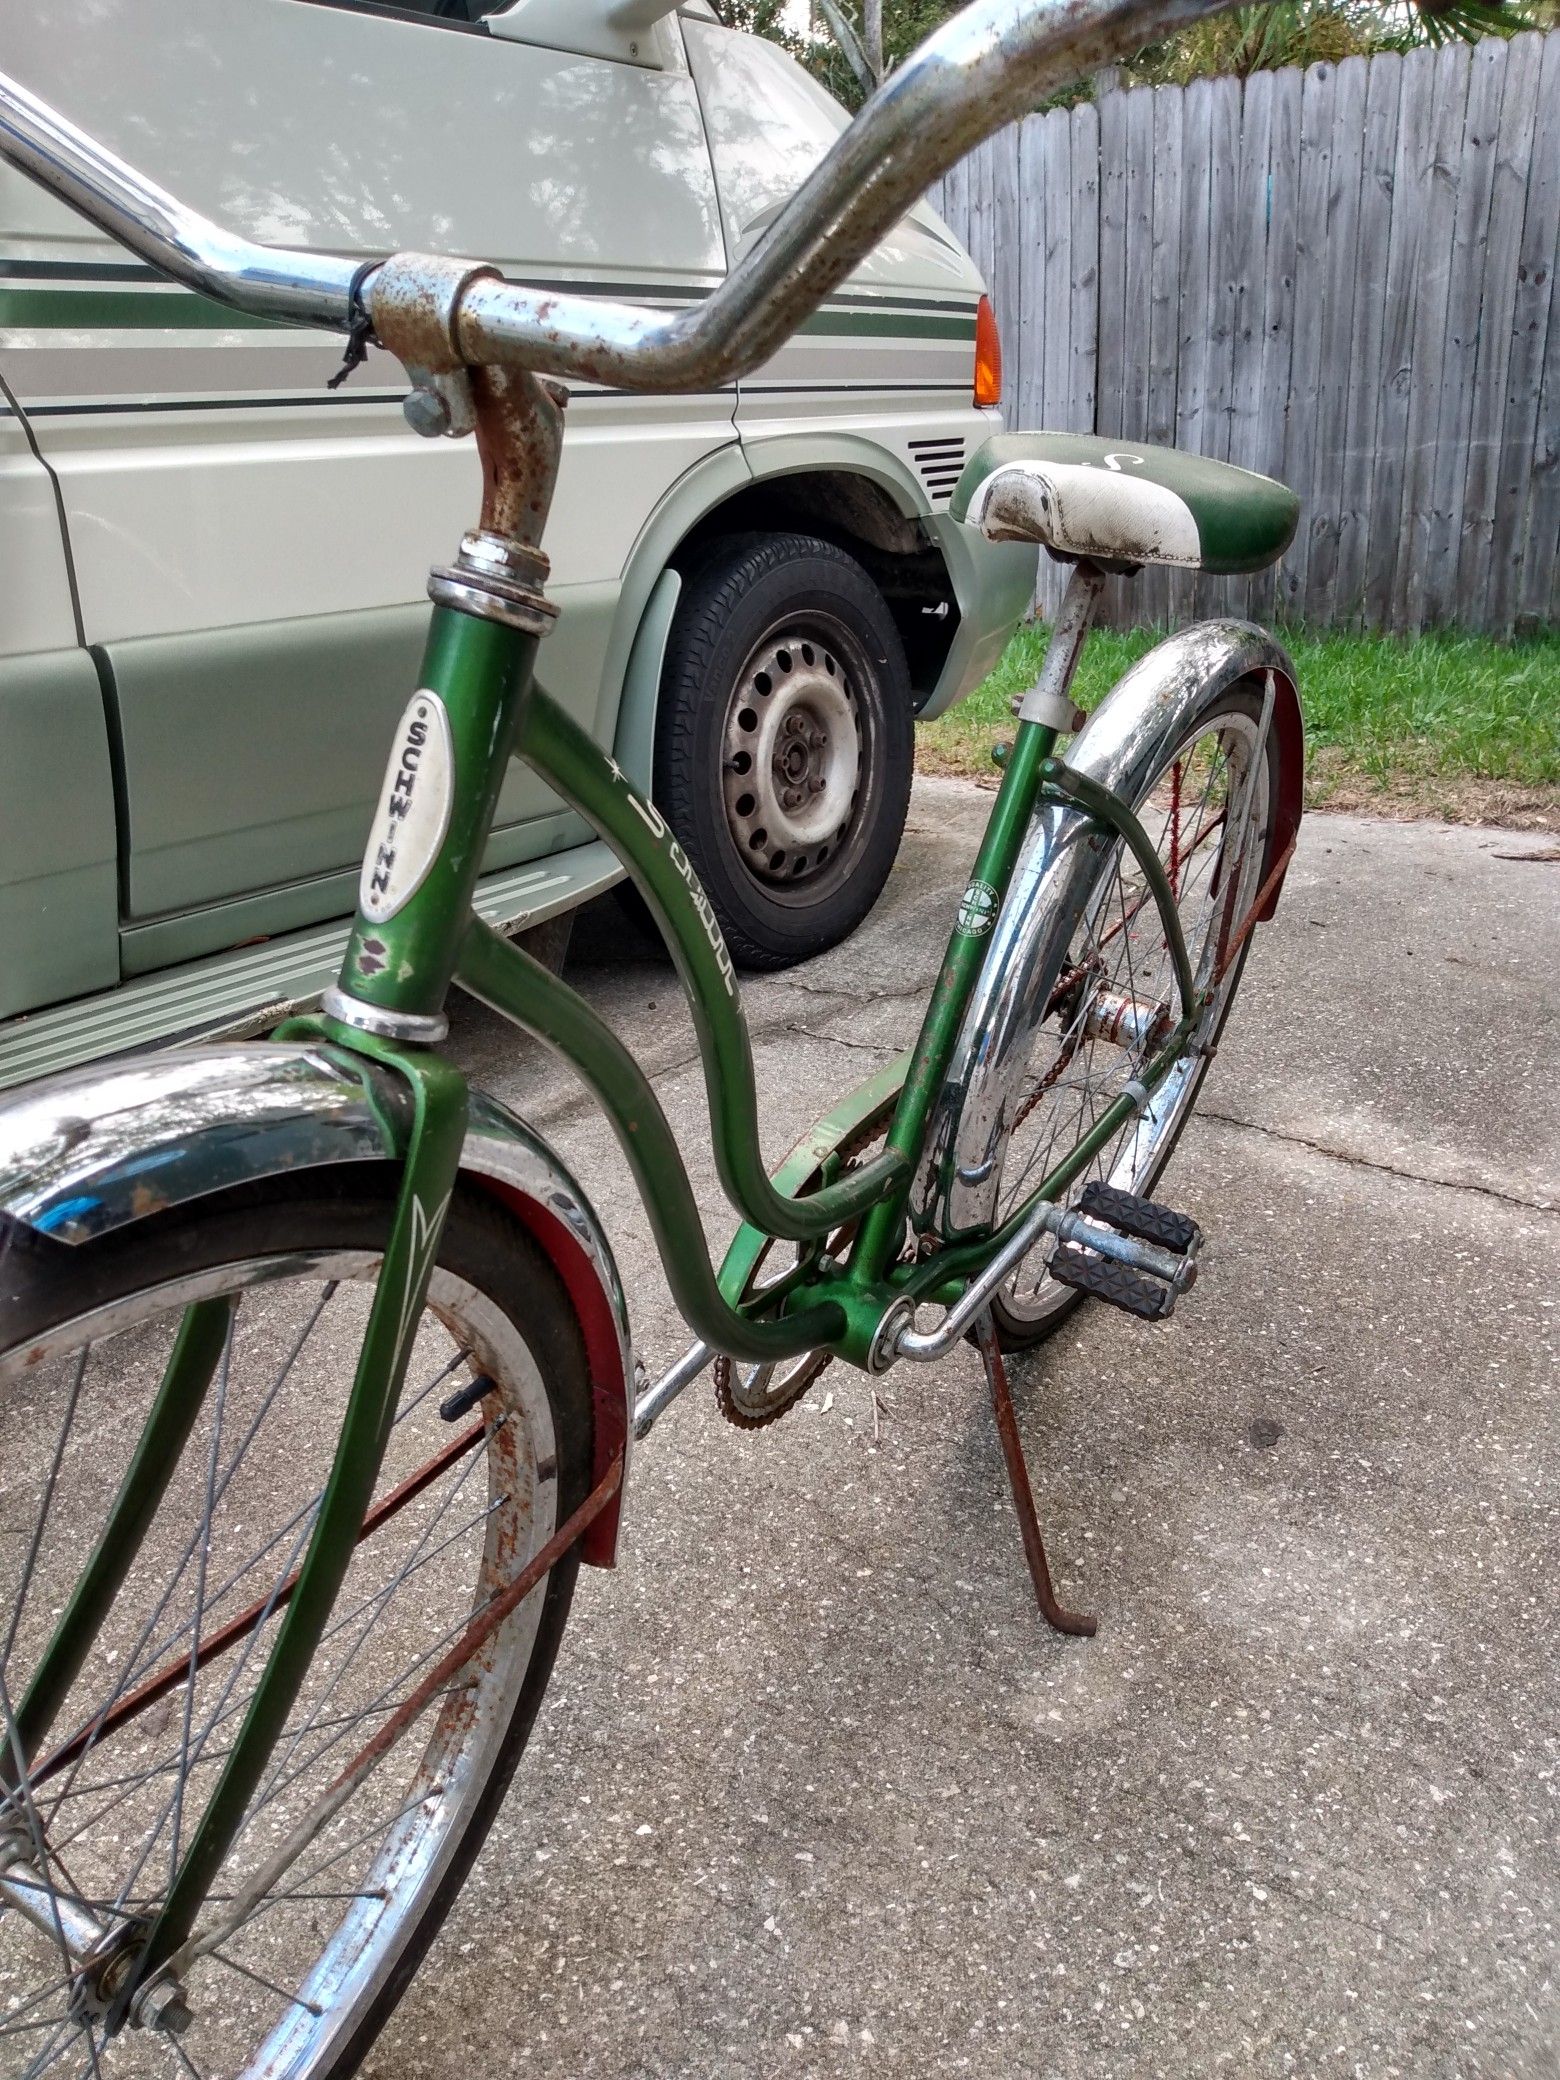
{"points": [[1208, 809], [784, 743], [324, 1942]]}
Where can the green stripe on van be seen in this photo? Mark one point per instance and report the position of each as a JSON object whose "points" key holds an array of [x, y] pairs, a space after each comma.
{"points": [[888, 324], [101, 310], [181, 310]]}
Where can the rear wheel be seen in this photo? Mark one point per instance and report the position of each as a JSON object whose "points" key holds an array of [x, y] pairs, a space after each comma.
{"points": [[321, 1947], [1208, 810], [785, 742]]}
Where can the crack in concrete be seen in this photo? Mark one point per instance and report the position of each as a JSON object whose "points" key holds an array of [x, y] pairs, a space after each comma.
{"points": [[1343, 1155], [846, 995], [878, 1047]]}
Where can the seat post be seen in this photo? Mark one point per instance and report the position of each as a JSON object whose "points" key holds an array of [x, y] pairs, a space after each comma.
{"points": [[1049, 701]]}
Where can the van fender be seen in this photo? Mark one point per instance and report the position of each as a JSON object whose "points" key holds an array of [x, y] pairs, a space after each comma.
{"points": [[1165, 692], [89, 1152]]}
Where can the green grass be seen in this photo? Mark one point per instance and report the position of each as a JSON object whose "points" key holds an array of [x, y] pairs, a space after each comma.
{"points": [[1446, 724]]}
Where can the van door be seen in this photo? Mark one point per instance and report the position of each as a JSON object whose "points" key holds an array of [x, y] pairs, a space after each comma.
{"points": [[58, 855], [251, 548]]}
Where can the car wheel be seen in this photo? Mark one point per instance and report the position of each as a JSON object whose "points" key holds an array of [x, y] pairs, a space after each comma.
{"points": [[784, 742]]}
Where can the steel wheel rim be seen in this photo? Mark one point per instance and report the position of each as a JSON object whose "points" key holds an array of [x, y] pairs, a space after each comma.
{"points": [[796, 755], [455, 1742], [1132, 1159]]}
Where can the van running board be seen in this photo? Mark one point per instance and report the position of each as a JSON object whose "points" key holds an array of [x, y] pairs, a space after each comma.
{"points": [[229, 995]]}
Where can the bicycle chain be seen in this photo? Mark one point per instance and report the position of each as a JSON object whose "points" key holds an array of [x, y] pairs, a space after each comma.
{"points": [[811, 1365]]}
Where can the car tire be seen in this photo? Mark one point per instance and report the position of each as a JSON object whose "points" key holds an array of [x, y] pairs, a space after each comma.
{"points": [[785, 742]]}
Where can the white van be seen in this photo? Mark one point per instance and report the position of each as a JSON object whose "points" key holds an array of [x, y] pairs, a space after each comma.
{"points": [[212, 566]]}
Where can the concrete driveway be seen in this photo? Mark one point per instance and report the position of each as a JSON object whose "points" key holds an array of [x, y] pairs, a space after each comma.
{"points": [[815, 1791]]}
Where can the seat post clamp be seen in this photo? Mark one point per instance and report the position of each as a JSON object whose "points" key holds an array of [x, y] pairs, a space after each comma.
{"points": [[1050, 706], [1049, 701]]}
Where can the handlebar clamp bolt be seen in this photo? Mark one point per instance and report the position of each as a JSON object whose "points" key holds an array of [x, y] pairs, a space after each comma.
{"points": [[427, 413]]}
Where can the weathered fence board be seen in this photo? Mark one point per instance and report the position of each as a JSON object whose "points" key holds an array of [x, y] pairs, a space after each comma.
{"points": [[1542, 555], [1400, 296], [1344, 278], [1342, 274], [1508, 198], [1437, 177], [1532, 322]]}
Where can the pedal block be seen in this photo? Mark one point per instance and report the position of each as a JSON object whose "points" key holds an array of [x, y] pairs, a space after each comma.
{"points": [[1119, 1284], [1144, 1218]]}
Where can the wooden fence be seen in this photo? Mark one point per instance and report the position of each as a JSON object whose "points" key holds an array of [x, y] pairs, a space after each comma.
{"points": [[1342, 277]]}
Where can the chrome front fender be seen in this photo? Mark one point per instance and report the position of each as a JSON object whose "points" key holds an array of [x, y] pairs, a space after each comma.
{"points": [[86, 1153], [1160, 696]]}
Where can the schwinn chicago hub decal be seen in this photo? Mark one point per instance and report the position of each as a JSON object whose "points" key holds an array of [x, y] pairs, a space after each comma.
{"points": [[414, 810], [978, 909]]}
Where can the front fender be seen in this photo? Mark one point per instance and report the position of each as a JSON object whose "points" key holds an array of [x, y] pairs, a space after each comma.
{"points": [[1161, 695], [89, 1152]]}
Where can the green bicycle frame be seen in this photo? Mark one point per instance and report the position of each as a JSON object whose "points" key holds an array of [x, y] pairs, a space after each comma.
{"points": [[480, 673]]}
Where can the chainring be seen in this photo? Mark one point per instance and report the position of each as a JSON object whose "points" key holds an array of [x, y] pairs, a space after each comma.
{"points": [[753, 1396]]}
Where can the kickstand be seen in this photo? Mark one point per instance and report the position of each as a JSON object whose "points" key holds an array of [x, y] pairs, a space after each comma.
{"points": [[1074, 1622]]}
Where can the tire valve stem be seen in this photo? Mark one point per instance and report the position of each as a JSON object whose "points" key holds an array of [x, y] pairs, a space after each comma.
{"points": [[465, 1398]]}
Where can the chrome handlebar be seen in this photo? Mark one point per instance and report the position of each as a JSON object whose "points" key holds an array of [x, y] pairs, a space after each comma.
{"points": [[981, 69], [265, 281]]}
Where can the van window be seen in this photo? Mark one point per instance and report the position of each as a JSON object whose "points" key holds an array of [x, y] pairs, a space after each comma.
{"points": [[454, 14]]}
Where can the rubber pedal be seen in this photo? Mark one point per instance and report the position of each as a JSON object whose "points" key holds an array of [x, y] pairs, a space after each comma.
{"points": [[1118, 1284], [1144, 1218]]}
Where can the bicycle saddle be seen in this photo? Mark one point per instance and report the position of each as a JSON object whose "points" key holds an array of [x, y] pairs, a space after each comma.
{"points": [[1124, 502]]}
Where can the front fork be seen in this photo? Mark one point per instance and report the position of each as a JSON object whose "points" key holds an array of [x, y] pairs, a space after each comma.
{"points": [[431, 1162]]}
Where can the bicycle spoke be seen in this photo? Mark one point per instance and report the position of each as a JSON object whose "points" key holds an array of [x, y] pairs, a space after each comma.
{"points": [[21, 1793], [223, 1374], [270, 1985], [375, 1604], [12, 2026], [51, 1481], [183, 2056], [50, 2056], [382, 1702]]}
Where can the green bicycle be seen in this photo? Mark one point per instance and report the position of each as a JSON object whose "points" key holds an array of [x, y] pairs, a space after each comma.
{"points": [[315, 1376]]}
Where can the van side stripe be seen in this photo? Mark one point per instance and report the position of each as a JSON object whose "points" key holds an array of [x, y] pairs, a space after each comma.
{"points": [[124, 310], [134, 272], [135, 310], [134, 407]]}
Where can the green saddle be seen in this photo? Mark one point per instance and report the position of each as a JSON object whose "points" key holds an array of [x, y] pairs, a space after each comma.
{"points": [[1123, 502]]}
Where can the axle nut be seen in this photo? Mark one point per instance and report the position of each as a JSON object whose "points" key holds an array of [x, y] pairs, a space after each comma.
{"points": [[162, 2006]]}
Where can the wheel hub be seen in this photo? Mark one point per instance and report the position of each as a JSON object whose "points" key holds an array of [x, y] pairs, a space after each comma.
{"points": [[792, 757], [1127, 1021]]}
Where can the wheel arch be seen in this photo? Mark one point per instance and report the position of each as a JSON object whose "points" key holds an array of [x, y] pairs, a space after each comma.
{"points": [[88, 1153], [842, 487]]}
